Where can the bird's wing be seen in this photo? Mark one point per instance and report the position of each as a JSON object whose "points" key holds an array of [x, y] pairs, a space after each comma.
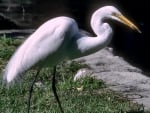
{"points": [[44, 42]]}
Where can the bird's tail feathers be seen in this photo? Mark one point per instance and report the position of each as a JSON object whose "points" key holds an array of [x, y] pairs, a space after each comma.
{"points": [[14, 69]]}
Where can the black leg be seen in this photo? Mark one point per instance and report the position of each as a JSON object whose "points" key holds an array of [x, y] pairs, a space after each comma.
{"points": [[31, 90], [54, 89]]}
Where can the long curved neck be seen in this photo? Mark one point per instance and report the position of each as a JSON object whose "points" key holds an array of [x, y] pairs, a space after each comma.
{"points": [[87, 45], [101, 29], [97, 22]]}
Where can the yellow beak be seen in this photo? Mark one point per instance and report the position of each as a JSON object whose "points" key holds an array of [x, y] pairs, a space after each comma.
{"points": [[127, 22]]}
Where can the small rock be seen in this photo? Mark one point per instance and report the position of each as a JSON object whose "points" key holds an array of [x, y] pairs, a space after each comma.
{"points": [[39, 84], [82, 73]]}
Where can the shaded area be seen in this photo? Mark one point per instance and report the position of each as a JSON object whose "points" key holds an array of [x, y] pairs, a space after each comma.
{"points": [[7, 23], [134, 46]]}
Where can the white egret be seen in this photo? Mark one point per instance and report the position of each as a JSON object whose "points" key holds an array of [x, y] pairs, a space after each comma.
{"points": [[60, 38]]}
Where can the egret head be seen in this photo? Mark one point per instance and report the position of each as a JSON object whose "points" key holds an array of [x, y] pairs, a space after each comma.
{"points": [[115, 14]]}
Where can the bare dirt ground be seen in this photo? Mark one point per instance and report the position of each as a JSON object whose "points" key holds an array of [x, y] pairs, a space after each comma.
{"points": [[120, 76]]}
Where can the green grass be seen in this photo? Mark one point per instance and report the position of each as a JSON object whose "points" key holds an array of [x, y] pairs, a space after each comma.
{"points": [[94, 98]]}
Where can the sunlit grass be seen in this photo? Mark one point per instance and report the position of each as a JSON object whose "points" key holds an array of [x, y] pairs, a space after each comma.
{"points": [[94, 96]]}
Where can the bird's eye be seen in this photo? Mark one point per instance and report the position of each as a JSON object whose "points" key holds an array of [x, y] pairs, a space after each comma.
{"points": [[115, 14]]}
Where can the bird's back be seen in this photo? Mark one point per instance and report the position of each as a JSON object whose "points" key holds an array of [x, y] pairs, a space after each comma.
{"points": [[47, 42]]}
